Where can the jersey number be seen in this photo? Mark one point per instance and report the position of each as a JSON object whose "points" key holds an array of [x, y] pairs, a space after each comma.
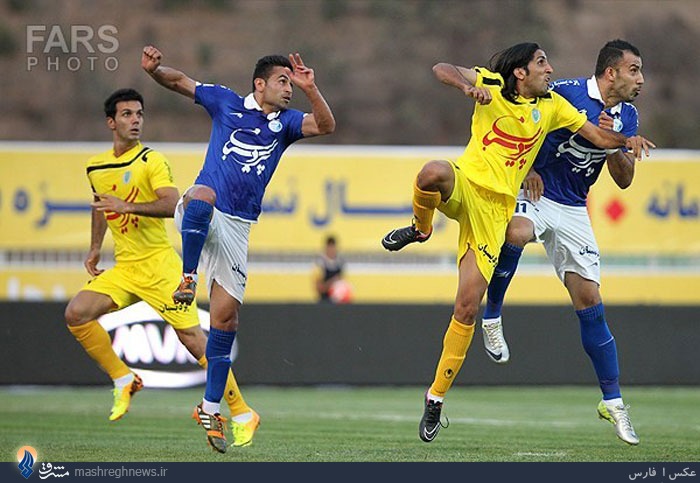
{"points": [[521, 207]]}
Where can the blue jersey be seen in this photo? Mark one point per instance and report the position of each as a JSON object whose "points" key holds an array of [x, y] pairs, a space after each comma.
{"points": [[568, 163], [244, 148]]}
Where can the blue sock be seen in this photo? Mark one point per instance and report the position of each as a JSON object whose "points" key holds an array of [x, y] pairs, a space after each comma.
{"points": [[195, 226], [507, 265], [600, 346], [218, 354]]}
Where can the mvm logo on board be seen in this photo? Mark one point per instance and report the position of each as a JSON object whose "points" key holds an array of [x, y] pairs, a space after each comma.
{"points": [[148, 344]]}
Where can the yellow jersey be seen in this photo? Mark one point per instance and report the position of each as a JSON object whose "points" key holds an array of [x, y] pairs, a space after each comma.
{"points": [[134, 177], [506, 136]]}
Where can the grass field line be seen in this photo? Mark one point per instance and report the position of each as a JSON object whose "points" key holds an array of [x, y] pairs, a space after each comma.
{"points": [[402, 418]]}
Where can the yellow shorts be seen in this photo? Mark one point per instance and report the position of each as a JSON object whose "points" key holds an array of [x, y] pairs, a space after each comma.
{"points": [[483, 216], [152, 280]]}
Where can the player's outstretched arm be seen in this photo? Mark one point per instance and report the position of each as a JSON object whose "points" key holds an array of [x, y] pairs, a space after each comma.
{"points": [[173, 79], [463, 79], [321, 120], [621, 168], [609, 140]]}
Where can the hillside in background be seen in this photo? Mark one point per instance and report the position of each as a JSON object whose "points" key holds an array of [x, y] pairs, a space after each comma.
{"points": [[372, 60]]}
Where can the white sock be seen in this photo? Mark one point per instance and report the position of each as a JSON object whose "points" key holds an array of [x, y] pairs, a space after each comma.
{"points": [[432, 397], [613, 403], [243, 417], [122, 382], [211, 407]]}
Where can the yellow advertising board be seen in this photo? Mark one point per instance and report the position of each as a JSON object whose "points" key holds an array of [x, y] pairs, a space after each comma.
{"points": [[659, 214], [356, 193], [390, 285]]}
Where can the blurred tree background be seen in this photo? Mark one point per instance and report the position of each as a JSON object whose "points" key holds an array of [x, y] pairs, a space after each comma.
{"points": [[372, 60]]}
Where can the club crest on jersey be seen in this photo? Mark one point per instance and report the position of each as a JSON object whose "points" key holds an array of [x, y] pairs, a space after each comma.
{"points": [[617, 124], [275, 125], [246, 154], [127, 177], [536, 115]]}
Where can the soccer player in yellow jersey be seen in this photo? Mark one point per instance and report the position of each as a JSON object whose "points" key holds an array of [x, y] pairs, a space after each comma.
{"points": [[514, 111], [134, 192]]}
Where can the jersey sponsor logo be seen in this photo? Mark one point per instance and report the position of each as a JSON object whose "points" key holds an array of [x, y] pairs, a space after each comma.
{"points": [[586, 250], [236, 267], [249, 156], [518, 145], [580, 157], [484, 248]]}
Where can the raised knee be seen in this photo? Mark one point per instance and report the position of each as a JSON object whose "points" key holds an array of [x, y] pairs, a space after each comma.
{"points": [[74, 315], [202, 193], [519, 234], [432, 174]]}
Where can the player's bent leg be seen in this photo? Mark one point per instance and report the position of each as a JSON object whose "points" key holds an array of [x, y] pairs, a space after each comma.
{"points": [[198, 212], [519, 232], [599, 344], [434, 183], [244, 420], [81, 314]]}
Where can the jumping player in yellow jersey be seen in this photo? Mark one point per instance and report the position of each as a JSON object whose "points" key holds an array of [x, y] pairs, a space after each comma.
{"points": [[133, 192], [514, 112]]}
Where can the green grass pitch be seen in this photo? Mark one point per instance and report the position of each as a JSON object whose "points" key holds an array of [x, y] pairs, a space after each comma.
{"points": [[346, 424]]}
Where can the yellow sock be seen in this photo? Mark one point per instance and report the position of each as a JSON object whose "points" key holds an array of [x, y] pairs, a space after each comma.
{"points": [[232, 394], [457, 340], [96, 342], [424, 204]]}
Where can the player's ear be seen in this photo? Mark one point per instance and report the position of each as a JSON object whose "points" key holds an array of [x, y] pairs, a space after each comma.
{"points": [[259, 84], [610, 72], [519, 73], [111, 123]]}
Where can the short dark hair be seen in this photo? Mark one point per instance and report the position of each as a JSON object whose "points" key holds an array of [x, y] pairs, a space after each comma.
{"points": [[611, 53], [506, 61], [121, 95], [264, 66], [330, 240]]}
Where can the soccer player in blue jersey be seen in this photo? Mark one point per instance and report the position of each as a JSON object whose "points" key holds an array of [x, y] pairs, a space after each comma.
{"points": [[248, 136], [568, 165]]}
